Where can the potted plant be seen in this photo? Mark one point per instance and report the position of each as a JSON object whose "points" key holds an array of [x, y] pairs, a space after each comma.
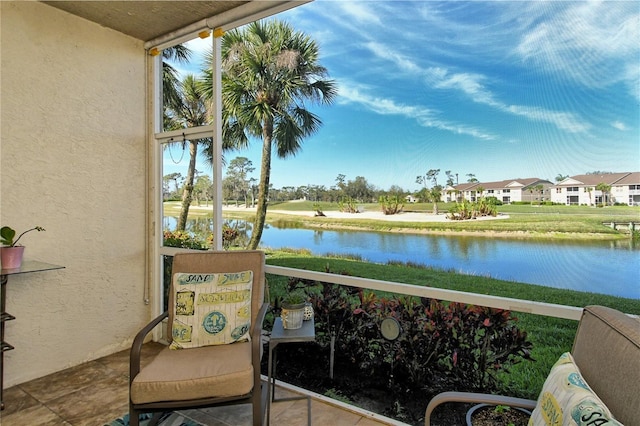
{"points": [[292, 313], [497, 415], [11, 253]]}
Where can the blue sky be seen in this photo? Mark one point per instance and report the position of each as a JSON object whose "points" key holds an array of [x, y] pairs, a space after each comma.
{"points": [[497, 89]]}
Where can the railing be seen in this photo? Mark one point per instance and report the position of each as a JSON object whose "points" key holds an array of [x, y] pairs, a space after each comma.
{"points": [[518, 305]]}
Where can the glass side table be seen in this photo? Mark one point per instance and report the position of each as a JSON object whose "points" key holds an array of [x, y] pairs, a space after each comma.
{"points": [[307, 333], [29, 266]]}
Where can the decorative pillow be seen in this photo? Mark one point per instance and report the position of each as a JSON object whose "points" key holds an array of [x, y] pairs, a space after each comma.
{"points": [[566, 399], [211, 309]]}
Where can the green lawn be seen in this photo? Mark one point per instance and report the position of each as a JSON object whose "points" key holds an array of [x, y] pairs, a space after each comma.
{"points": [[543, 222]]}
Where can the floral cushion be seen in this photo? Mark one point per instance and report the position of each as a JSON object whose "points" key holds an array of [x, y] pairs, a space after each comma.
{"points": [[566, 399], [211, 309]]}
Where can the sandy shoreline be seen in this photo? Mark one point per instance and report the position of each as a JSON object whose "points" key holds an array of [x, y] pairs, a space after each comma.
{"points": [[375, 215]]}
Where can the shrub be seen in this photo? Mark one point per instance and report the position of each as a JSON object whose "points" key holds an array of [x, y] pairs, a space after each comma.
{"points": [[465, 345], [442, 346], [494, 201], [390, 204], [184, 239], [467, 210], [348, 205]]}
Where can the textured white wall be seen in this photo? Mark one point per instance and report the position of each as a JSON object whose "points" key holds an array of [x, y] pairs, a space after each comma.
{"points": [[73, 161]]}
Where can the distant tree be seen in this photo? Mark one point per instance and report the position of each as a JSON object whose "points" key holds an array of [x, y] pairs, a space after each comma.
{"points": [[471, 178], [450, 181], [359, 189], [253, 190], [435, 193], [561, 177], [396, 190], [432, 175], [238, 170], [172, 177], [540, 190], [589, 189], [228, 189], [316, 192], [340, 181], [202, 189], [605, 189]]}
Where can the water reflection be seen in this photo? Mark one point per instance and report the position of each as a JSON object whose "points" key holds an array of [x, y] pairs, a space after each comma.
{"points": [[609, 267]]}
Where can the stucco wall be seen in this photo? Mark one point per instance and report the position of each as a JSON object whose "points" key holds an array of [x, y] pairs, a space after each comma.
{"points": [[72, 159]]}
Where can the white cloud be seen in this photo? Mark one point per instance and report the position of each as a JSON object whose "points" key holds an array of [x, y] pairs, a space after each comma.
{"points": [[584, 41], [472, 85], [385, 52], [468, 83], [562, 120], [619, 125], [424, 116], [359, 12]]}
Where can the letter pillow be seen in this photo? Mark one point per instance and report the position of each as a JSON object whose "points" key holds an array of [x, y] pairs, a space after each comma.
{"points": [[566, 399], [211, 309]]}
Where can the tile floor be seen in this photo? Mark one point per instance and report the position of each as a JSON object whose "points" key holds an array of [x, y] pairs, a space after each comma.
{"points": [[96, 393]]}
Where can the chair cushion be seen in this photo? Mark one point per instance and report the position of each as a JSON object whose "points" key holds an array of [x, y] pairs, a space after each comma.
{"points": [[566, 399], [607, 350], [210, 371], [211, 309]]}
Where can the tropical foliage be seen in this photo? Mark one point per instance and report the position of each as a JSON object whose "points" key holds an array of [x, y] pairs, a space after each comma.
{"points": [[441, 345], [269, 72], [189, 110]]}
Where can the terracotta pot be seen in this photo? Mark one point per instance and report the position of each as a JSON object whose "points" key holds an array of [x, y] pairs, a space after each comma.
{"points": [[11, 257]]}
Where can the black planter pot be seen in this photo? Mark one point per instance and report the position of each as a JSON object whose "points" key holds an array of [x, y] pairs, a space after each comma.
{"points": [[475, 408]]}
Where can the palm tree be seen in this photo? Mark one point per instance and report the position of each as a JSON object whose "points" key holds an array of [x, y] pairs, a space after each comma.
{"points": [[589, 189], [269, 71], [170, 79], [540, 189], [435, 193], [189, 110], [605, 189]]}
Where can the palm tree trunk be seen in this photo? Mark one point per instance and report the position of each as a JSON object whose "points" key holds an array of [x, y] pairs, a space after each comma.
{"points": [[263, 187], [187, 192]]}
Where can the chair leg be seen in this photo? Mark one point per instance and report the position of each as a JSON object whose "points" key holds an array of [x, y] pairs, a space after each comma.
{"points": [[134, 417], [256, 404], [155, 418]]}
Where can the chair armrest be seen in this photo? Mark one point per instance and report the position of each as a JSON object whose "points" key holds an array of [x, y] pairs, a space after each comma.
{"points": [[256, 333], [480, 398], [136, 347]]}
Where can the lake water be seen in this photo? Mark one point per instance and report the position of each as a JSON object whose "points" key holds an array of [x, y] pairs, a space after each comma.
{"points": [[600, 267]]}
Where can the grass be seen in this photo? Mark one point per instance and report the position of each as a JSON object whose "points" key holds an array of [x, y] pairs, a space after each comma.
{"points": [[525, 221], [550, 336]]}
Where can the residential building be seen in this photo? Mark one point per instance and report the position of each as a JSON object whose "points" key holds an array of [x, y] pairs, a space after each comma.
{"points": [[624, 188], [508, 191]]}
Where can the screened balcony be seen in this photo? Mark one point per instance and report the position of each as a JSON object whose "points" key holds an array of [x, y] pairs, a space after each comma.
{"points": [[80, 158]]}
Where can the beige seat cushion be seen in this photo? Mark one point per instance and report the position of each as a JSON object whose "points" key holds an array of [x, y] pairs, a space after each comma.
{"points": [[607, 351], [209, 371]]}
